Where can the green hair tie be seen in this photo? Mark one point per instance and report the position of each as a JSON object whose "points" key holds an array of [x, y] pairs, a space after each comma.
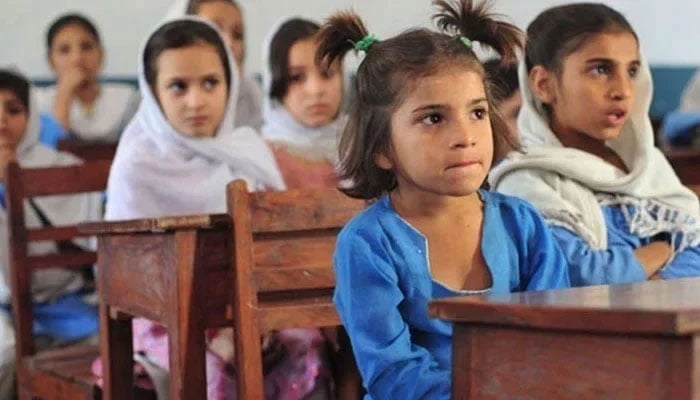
{"points": [[466, 41], [365, 43]]}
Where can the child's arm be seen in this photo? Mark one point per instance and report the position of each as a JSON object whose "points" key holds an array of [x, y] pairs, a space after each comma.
{"points": [[368, 298], [616, 264], [547, 268]]}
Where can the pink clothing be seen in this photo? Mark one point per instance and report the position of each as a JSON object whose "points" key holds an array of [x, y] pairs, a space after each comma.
{"points": [[294, 377]]}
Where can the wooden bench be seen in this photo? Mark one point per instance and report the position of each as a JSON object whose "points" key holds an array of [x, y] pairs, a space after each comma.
{"points": [[283, 245], [638, 341], [59, 373]]}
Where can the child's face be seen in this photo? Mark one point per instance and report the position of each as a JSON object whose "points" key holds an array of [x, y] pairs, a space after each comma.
{"points": [[191, 89], [595, 92], [75, 48], [441, 137], [314, 94], [229, 20], [13, 119]]}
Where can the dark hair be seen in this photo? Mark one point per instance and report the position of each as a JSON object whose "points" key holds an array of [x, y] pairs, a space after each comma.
{"points": [[17, 84], [179, 34], [66, 20], [382, 77], [289, 33], [193, 5], [560, 31], [503, 78]]}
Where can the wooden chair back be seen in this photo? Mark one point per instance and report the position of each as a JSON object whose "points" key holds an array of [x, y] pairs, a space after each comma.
{"points": [[34, 381], [283, 245], [686, 163], [88, 150]]}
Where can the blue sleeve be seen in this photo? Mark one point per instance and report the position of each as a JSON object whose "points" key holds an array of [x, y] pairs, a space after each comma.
{"points": [[51, 131], [685, 264], [367, 297], [547, 267], [616, 264]]}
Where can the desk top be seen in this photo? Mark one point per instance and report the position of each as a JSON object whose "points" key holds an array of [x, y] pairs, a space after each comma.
{"points": [[653, 307], [182, 222]]}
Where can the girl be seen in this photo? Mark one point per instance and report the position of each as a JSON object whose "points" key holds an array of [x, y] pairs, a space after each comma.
{"points": [[420, 140], [60, 314], [176, 157], [227, 15], [301, 108], [85, 108], [617, 208]]}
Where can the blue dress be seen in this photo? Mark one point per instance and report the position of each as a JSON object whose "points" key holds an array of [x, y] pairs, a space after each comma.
{"points": [[617, 263], [383, 286]]}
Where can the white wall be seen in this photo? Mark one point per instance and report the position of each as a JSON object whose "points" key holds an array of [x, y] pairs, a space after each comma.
{"points": [[669, 29]]}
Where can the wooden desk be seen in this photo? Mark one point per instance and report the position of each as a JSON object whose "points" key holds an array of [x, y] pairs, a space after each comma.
{"points": [[686, 163], [174, 271], [637, 342]]}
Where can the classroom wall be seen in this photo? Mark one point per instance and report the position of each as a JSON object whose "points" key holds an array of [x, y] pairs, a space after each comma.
{"points": [[669, 37]]}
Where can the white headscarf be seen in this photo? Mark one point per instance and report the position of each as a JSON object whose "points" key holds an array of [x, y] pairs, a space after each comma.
{"points": [[59, 210], [280, 127], [569, 186], [158, 171], [248, 107]]}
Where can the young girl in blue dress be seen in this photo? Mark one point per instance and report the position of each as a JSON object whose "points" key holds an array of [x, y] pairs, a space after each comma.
{"points": [[420, 140], [618, 210]]}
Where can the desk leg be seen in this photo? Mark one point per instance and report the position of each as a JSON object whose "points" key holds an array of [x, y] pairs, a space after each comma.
{"points": [[461, 362], [186, 325], [116, 350]]}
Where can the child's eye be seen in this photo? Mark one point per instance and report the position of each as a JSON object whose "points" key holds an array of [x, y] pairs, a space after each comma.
{"points": [[87, 46], [432, 119], [210, 83], [64, 49], [600, 70], [479, 113], [296, 77], [237, 35], [177, 87], [633, 72], [15, 109]]}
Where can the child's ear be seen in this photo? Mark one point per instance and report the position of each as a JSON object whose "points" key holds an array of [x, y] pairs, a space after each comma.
{"points": [[542, 83], [383, 161]]}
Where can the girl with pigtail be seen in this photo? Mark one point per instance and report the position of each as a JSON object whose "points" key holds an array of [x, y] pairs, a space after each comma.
{"points": [[420, 140]]}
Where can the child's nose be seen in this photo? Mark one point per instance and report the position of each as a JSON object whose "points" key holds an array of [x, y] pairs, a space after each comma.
{"points": [[315, 85], [196, 98], [462, 134]]}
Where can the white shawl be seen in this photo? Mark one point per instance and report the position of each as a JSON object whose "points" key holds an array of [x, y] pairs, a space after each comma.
{"points": [[158, 171], [569, 186], [47, 284], [280, 127]]}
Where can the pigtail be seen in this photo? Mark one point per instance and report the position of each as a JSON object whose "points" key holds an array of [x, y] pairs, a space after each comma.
{"points": [[338, 36], [476, 24]]}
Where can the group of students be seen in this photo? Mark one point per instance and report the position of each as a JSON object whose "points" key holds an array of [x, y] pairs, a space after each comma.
{"points": [[578, 193]]}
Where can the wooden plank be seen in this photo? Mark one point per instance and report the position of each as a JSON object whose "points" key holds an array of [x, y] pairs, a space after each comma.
{"points": [[301, 210], [309, 315], [655, 307], [54, 233], [64, 260], [300, 278], [183, 222], [72, 179], [533, 364]]}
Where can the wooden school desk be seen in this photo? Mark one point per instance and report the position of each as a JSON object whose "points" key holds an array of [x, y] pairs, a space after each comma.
{"points": [[174, 271], [637, 341]]}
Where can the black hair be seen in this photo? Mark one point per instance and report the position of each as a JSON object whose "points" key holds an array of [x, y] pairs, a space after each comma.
{"points": [[504, 79], [17, 84], [66, 20], [391, 65], [289, 33], [560, 31], [179, 34]]}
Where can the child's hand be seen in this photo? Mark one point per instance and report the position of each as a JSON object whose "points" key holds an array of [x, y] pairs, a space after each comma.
{"points": [[70, 80]]}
